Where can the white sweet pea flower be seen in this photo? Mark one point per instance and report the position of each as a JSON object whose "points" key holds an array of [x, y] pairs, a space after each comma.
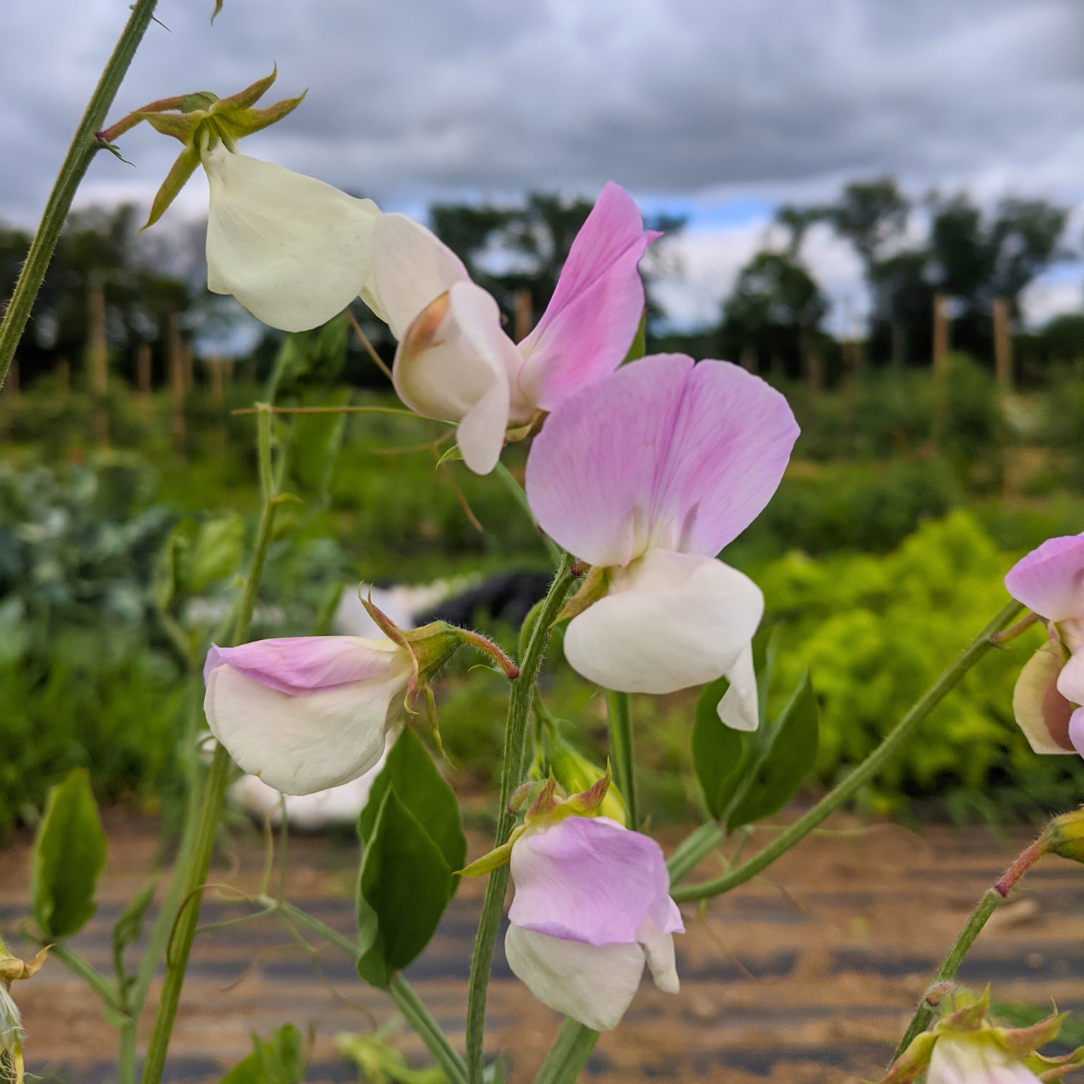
{"points": [[966, 1060]]}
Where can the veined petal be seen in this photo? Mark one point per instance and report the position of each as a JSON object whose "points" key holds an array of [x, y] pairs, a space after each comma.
{"points": [[739, 707], [1041, 712], [661, 453], [453, 364], [659, 950], [293, 250], [1050, 579], [593, 984], [302, 744], [412, 267], [307, 664], [592, 318], [670, 621], [587, 879], [975, 1061]]}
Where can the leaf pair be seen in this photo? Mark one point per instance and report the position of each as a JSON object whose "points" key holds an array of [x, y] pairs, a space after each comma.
{"points": [[413, 846]]}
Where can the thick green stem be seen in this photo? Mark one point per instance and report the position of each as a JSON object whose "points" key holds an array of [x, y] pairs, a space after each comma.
{"points": [[568, 1055], [80, 154], [126, 1059], [933, 696], [519, 711], [622, 760]]}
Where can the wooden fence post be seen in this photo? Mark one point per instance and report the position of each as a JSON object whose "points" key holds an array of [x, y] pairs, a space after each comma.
{"points": [[941, 337], [1002, 344]]}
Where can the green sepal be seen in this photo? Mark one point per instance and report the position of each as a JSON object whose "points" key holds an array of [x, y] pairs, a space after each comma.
{"points": [[912, 1063], [181, 126], [176, 179], [243, 122], [243, 99], [494, 859]]}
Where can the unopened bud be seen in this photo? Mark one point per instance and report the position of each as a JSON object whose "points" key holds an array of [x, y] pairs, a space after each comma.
{"points": [[1064, 836]]}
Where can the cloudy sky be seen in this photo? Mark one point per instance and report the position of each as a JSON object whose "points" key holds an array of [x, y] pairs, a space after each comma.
{"points": [[715, 108]]}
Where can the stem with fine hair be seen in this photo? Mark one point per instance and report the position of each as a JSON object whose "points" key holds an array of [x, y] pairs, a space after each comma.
{"points": [[861, 775], [184, 927], [622, 759], [81, 152], [515, 733]]}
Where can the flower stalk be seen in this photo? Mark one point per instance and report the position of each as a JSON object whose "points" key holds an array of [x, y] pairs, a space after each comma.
{"points": [[619, 720]]}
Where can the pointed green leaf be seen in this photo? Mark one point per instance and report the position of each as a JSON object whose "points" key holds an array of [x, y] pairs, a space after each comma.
{"points": [[218, 8], [68, 856], [175, 180], [249, 96], [278, 1060], [786, 758], [720, 753], [219, 551]]}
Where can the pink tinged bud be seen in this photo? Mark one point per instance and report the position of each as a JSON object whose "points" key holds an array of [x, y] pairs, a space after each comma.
{"points": [[293, 250], [306, 713], [964, 1060], [592, 905], [1050, 579], [595, 311]]}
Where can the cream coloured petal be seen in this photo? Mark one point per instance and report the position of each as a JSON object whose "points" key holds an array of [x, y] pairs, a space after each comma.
{"points": [[670, 621], [412, 267], [593, 984], [1041, 712], [739, 708], [971, 1061], [453, 364], [659, 950], [301, 744], [293, 250]]}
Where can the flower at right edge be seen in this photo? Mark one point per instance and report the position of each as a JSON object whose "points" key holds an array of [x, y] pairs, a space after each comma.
{"points": [[592, 905], [1050, 581], [647, 475]]}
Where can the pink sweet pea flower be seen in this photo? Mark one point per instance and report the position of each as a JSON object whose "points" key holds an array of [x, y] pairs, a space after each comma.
{"points": [[1050, 581], [592, 905], [456, 363], [309, 712], [647, 476]]}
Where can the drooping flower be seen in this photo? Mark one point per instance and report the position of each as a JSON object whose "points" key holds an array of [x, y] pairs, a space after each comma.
{"points": [[962, 1059], [1050, 689], [647, 476], [592, 905], [293, 250], [456, 363]]}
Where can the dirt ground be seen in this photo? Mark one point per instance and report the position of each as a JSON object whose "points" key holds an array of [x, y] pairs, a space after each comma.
{"points": [[804, 976]]}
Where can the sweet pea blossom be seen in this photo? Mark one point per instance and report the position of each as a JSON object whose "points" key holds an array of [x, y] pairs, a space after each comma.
{"points": [[592, 905], [309, 712], [647, 475], [961, 1059], [456, 363], [1050, 689]]}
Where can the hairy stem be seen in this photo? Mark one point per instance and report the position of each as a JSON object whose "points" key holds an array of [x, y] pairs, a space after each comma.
{"points": [[933, 696], [519, 711], [622, 760], [81, 152]]}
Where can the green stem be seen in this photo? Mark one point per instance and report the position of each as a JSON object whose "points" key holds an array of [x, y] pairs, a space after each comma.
{"points": [[80, 154], [126, 1059], [519, 711], [513, 487], [622, 761], [568, 1055], [948, 680], [693, 849], [79, 966]]}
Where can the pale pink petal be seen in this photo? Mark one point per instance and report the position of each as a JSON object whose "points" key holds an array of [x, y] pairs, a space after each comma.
{"points": [[595, 311], [592, 984], [307, 664], [587, 879], [411, 268], [670, 621], [1050, 579], [1076, 730], [1041, 712], [1071, 679], [660, 453]]}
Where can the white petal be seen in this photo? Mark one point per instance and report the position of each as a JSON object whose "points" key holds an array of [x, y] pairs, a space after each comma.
{"points": [[594, 984], [301, 744], [739, 708], [967, 1061], [659, 949], [411, 268], [293, 250], [670, 621]]}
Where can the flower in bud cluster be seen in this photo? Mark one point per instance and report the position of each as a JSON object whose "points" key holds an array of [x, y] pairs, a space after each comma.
{"points": [[293, 250], [456, 363], [1050, 690], [647, 475]]}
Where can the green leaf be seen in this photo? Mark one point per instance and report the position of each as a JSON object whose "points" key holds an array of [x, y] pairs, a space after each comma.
{"points": [[176, 179], [785, 757], [68, 856], [424, 792], [219, 551], [720, 753], [279, 1060], [639, 342], [128, 928], [403, 887]]}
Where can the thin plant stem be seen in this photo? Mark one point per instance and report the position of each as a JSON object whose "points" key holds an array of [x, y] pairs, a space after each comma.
{"points": [[81, 152], [568, 1055], [986, 906], [693, 848], [184, 928], [77, 965], [378, 361], [345, 409], [861, 775], [519, 712], [622, 759], [505, 476]]}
